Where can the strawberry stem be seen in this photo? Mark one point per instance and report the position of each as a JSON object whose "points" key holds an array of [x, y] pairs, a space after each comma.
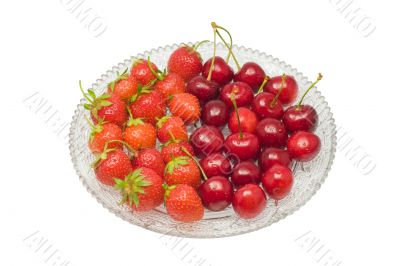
{"points": [[274, 101], [311, 86], [84, 94], [226, 44], [195, 160], [233, 94], [132, 150], [155, 73], [214, 52], [263, 84]]}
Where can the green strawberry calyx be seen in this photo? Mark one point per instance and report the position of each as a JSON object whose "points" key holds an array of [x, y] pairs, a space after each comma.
{"points": [[95, 103], [122, 76], [141, 90], [102, 156], [176, 162], [94, 129], [160, 75], [168, 190], [131, 186], [161, 121], [133, 121]]}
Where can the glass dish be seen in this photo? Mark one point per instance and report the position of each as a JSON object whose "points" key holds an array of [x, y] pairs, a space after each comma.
{"points": [[308, 176]]}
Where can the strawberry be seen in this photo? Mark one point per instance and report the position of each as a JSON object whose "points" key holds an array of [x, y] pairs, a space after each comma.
{"points": [[142, 189], [186, 62], [106, 107], [139, 134], [171, 127], [150, 158], [183, 203], [170, 84], [186, 106], [112, 164], [148, 105], [173, 149], [103, 133], [124, 86], [182, 170], [142, 73]]}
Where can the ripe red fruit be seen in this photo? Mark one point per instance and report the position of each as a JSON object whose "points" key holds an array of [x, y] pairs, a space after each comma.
{"points": [[169, 85], [206, 140], [271, 133], [103, 133], [139, 134], [148, 105], [216, 164], [171, 127], [249, 201], [243, 147], [216, 193], [183, 204], [303, 146], [186, 106], [271, 156], [289, 90], [264, 107], [244, 173], [142, 73], [222, 73], [205, 90], [243, 94], [142, 189], [182, 170], [124, 86], [173, 149], [248, 120], [252, 74], [277, 181], [150, 158], [186, 62], [110, 165], [302, 117], [214, 113]]}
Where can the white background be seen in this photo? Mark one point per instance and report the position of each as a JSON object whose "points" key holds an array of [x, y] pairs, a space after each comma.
{"points": [[45, 50]]}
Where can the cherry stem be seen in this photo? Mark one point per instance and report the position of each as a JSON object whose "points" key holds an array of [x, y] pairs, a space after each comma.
{"points": [[214, 53], [199, 44], [226, 44], [84, 94], [263, 84], [311, 86], [195, 160], [233, 94], [275, 100]]}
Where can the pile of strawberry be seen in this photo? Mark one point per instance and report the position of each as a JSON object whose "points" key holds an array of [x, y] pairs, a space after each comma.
{"points": [[147, 108]]}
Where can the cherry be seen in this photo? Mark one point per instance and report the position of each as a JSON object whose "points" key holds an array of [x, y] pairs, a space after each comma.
{"points": [[289, 88], [216, 164], [252, 74], [249, 201], [206, 140], [277, 181], [216, 193], [222, 72], [272, 156], [214, 113], [266, 104], [303, 146], [272, 133], [245, 173], [202, 88], [243, 94], [248, 120], [301, 117]]}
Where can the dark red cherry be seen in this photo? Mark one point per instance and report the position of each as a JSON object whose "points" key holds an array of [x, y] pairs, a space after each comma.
{"points": [[243, 94], [222, 72], [206, 140], [216, 164], [216, 193], [243, 146], [303, 117], [277, 181], [263, 106], [252, 74], [303, 146], [215, 113], [203, 89], [248, 120], [249, 201], [245, 173], [271, 156], [289, 90], [271, 133]]}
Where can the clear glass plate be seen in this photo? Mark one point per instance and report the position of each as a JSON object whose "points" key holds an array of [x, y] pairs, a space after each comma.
{"points": [[308, 176]]}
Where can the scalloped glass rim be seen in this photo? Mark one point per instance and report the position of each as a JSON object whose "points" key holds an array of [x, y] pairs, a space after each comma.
{"points": [[308, 176]]}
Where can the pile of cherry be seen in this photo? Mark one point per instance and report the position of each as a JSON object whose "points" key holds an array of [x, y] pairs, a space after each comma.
{"points": [[204, 169]]}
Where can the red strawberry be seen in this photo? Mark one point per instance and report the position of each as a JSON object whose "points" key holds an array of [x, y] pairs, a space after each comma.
{"points": [[170, 84], [150, 158], [183, 204], [171, 127], [186, 62], [173, 149], [103, 133], [142, 73], [124, 86], [112, 164], [140, 135], [108, 108], [148, 105], [186, 106], [142, 189], [182, 170]]}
